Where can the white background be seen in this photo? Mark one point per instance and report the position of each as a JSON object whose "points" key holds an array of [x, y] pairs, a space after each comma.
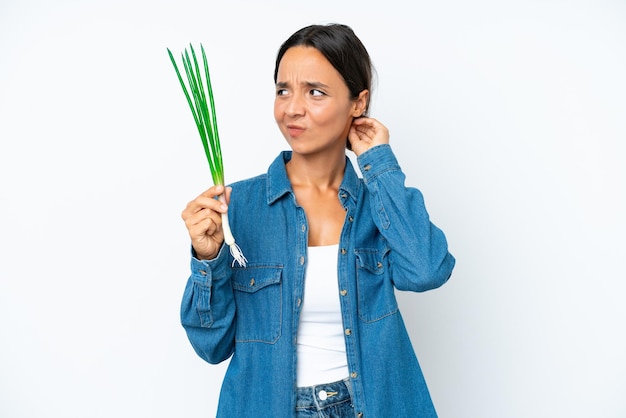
{"points": [[509, 116]]}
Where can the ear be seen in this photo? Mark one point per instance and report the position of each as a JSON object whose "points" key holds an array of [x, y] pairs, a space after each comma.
{"points": [[360, 104]]}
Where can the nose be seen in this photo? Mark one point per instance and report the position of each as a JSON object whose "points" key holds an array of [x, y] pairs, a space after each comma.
{"points": [[295, 106]]}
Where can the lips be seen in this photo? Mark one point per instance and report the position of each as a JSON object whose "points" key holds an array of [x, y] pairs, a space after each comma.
{"points": [[294, 130]]}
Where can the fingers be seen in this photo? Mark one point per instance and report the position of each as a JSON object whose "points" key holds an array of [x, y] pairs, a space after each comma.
{"points": [[202, 215], [203, 219], [202, 222], [207, 201], [370, 129], [216, 191], [225, 196], [366, 133]]}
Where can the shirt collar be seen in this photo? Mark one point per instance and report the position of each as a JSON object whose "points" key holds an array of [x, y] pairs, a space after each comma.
{"points": [[278, 183]]}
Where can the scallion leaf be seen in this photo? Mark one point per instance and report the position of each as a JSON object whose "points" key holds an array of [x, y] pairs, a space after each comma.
{"points": [[202, 107]]}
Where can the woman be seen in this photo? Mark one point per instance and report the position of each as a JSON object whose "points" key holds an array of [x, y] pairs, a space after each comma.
{"points": [[311, 322]]}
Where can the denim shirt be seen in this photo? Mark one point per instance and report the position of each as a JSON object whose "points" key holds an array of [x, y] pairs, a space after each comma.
{"points": [[252, 313]]}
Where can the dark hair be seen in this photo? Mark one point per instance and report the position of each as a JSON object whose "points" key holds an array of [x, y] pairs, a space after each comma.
{"points": [[342, 48]]}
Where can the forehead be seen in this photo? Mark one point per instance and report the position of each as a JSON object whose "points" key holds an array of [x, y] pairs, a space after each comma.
{"points": [[304, 63]]}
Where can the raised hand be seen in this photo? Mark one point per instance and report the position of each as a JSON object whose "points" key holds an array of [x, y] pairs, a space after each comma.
{"points": [[203, 219], [366, 133]]}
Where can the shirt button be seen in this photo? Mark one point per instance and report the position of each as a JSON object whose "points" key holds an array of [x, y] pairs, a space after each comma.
{"points": [[203, 273], [301, 260], [303, 227], [360, 415], [353, 375], [343, 251], [299, 302], [367, 167], [343, 292], [322, 395], [252, 282], [348, 331], [350, 218]]}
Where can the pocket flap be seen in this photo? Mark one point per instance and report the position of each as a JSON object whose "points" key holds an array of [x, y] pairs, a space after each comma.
{"points": [[254, 278], [371, 260]]}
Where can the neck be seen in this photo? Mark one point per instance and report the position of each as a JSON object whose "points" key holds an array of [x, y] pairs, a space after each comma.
{"points": [[322, 171]]}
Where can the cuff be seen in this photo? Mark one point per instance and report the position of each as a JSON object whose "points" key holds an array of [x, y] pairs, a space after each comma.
{"points": [[377, 160]]}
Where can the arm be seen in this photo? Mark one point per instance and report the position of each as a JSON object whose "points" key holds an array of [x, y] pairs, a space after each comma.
{"points": [[418, 255], [208, 307]]}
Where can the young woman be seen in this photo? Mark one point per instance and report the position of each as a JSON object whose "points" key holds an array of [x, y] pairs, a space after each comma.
{"points": [[311, 324]]}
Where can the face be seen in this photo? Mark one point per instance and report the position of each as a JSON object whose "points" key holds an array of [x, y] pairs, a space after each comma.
{"points": [[313, 108]]}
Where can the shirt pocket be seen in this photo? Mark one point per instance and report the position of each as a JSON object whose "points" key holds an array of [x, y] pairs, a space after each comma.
{"points": [[258, 300], [376, 297]]}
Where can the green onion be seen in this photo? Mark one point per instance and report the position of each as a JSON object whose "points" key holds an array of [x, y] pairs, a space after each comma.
{"points": [[203, 112]]}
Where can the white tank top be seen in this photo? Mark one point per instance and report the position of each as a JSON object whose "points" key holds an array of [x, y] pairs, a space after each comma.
{"points": [[320, 344]]}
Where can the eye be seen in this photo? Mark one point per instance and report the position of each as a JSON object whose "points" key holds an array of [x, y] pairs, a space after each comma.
{"points": [[317, 93], [281, 92]]}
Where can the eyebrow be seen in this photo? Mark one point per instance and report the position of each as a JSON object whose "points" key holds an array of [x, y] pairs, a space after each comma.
{"points": [[311, 84]]}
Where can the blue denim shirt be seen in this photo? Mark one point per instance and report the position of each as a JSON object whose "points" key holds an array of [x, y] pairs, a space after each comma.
{"points": [[252, 313]]}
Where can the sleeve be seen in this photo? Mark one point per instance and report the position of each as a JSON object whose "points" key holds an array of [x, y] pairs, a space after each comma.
{"points": [[208, 308], [418, 250]]}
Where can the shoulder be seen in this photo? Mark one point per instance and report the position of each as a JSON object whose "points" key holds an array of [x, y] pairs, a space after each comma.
{"points": [[249, 182], [276, 169]]}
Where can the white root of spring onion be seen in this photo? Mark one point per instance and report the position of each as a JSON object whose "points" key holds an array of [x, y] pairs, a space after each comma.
{"points": [[235, 251]]}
